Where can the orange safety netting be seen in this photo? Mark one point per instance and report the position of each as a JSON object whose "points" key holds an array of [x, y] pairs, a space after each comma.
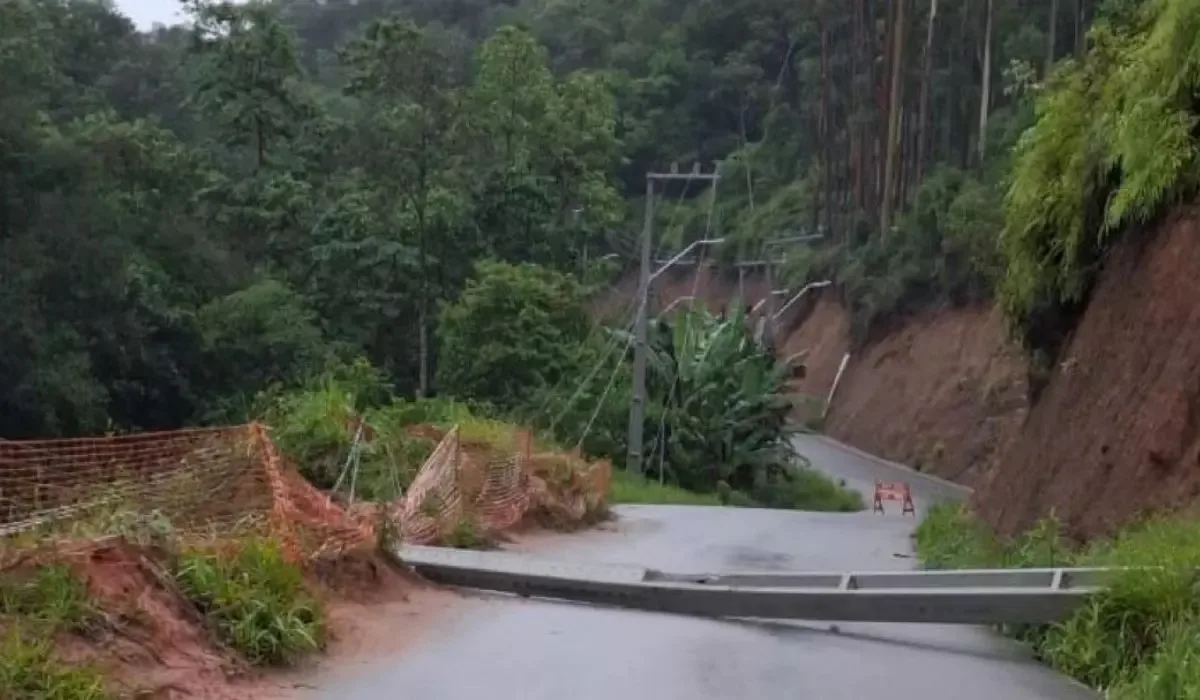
{"points": [[214, 482], [497, 492], [222, 482]]}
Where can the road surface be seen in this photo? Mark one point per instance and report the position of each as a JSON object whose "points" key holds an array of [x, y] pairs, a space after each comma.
{"points": [[495, 647]]}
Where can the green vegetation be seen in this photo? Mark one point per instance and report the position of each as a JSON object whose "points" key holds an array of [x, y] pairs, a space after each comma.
{"points": [[256, 602], [197, 215], [1112, 147], [466, 535], [34, 606], [52, 598], [716, 413], [805, 488], [631, 488], [28, 671], [512, 331], [1137, 638]]}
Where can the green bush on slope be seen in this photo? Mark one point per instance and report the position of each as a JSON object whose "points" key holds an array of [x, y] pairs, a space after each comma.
{"points": [[1138, 637]]}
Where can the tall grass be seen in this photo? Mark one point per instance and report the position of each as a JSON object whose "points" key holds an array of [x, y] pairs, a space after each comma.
{"points": [[33, 606], [52, 598], [29, 671], [256, 602], [1139, 638]]}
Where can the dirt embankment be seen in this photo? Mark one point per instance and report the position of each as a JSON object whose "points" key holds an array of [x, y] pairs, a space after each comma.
{"points": [[148, 641], [1116, 432], [708, 285], [944, 393]]}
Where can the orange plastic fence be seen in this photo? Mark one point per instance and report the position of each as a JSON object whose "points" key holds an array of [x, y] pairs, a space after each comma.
{"points": [[898, 491], [215, 482], [227, 481], [496, 493]]}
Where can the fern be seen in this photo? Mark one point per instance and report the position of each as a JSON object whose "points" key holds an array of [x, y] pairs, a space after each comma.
{"points": [[1113, 146]]}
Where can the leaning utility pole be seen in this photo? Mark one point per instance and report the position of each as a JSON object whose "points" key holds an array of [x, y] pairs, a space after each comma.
{"points": [[637, 407]]}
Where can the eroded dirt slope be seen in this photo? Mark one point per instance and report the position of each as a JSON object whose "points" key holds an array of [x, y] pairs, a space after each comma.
{"points": [[1117, 430], [819, 341], [944, 392]]}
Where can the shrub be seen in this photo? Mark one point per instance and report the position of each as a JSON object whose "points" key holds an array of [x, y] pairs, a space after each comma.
{"points": [[256, 602], [807, 489], [513, 329], [255, 338], [1137, 637]]}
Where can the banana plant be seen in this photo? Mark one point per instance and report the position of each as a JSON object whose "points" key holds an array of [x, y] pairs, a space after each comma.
{"points": [[723, 402]]}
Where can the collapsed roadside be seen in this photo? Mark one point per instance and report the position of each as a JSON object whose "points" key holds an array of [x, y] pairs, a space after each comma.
{"points": [[183, 564]]}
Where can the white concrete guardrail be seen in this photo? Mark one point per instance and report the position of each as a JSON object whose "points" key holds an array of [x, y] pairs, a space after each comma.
{"points": [[942, 597]]}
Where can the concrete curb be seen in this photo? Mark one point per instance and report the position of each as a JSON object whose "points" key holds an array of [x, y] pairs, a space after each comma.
{"points": [[907, 470]]}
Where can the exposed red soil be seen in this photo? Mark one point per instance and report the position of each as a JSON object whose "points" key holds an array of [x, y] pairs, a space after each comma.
{"points": [[152, 643], [945, 393], [712, 287], [823, 338], [1117, 430]]}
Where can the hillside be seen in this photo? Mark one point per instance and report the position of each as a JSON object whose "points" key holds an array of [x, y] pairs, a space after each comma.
{"points": [[1112, 434]]}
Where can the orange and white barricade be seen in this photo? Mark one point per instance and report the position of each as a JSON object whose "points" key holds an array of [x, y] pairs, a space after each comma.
{"points": [[898, 491]]}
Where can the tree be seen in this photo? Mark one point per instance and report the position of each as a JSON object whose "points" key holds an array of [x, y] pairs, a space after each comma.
{"points": [[248, 73], [401, 70], [513, 330]]}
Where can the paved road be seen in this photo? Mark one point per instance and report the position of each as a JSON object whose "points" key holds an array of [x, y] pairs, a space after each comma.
{"points": [[496, 647]]}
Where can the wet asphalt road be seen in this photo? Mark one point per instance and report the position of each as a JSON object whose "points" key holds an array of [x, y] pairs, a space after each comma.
{"points": [[497, 647]]}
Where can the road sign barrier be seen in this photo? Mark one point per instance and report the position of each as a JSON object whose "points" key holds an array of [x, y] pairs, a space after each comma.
{"points": [[898, 491]]}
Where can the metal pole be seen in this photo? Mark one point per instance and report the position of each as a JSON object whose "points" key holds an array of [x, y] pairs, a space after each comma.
{"points": [[637, 408]]}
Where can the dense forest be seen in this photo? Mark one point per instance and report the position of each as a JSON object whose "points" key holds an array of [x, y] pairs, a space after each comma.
{"points": [[193, 215]]}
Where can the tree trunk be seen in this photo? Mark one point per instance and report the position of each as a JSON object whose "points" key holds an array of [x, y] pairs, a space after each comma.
{"points": [[880, 142], [853, 127], [1079, 28], [986, 91], [926, 76], [1051, 31], [895, 107], [823, 128]]}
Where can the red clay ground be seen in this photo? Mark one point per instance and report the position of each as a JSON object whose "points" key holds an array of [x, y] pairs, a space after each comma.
{"points": [[153, 644], [1117, 431], [944, 393]]}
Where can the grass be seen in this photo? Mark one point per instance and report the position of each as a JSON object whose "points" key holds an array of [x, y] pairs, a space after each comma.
{"points": [[32, 609], [1139, 639], [467, 534], [806, 489], [51, 599], [631, 488], [810, 490], [255, 601], [29, 671]]}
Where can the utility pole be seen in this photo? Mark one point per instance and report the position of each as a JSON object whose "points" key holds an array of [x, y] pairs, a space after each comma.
{"points": [[637, 407]]}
